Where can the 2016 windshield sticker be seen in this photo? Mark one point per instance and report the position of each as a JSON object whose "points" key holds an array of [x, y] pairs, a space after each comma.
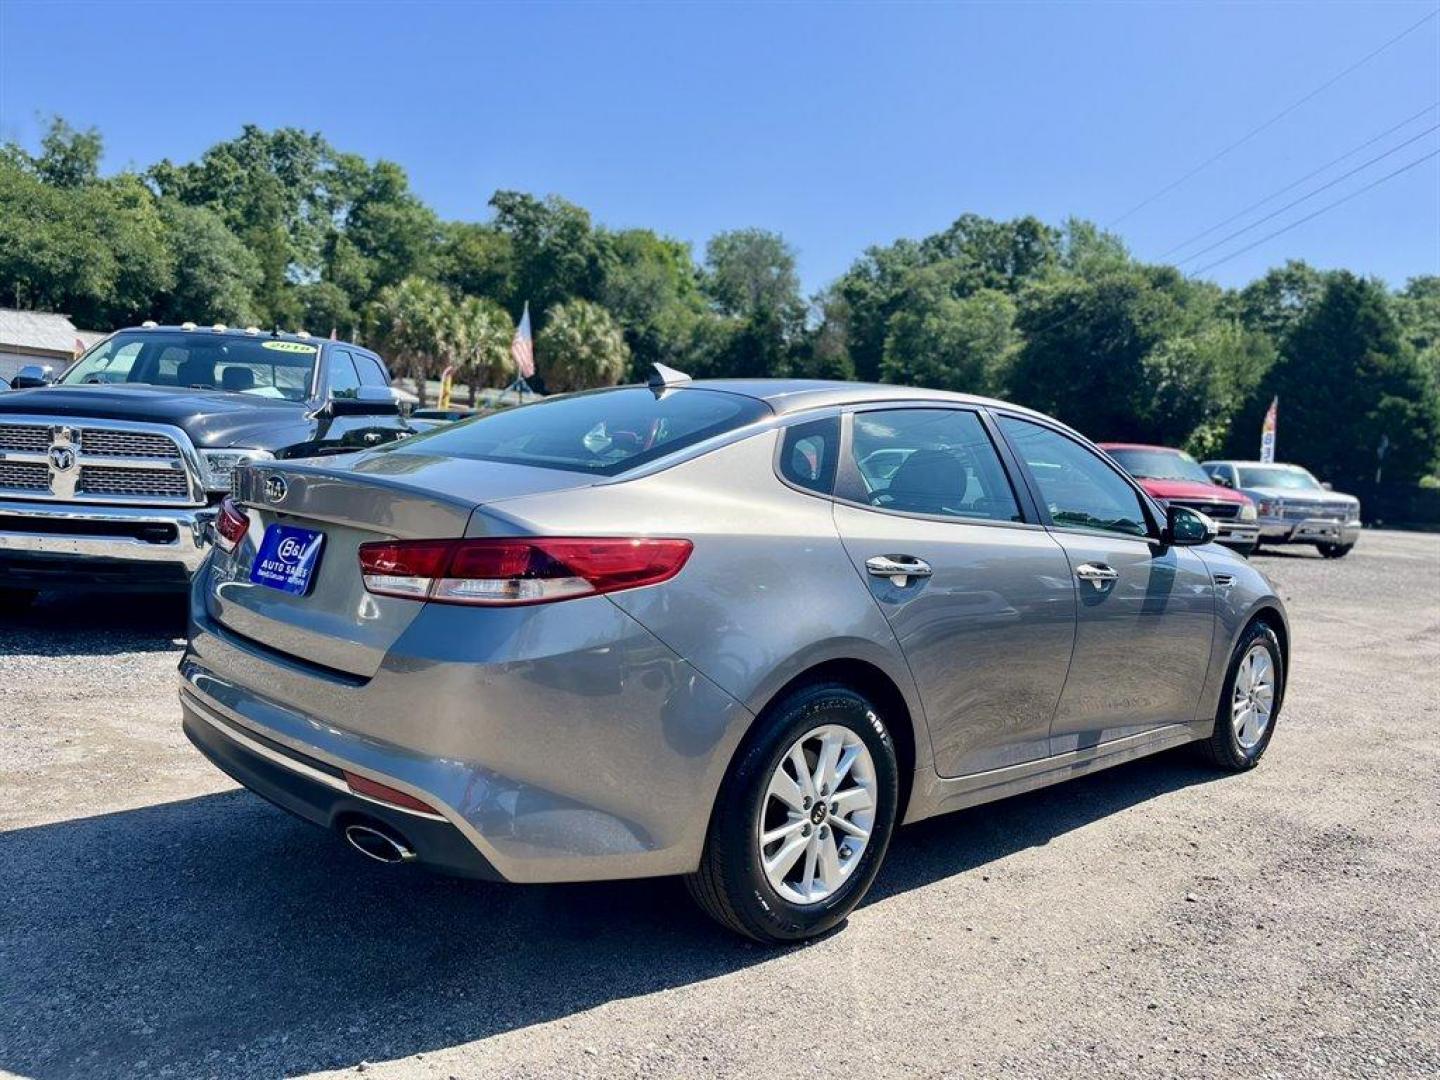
{"points": [[289, 346]]}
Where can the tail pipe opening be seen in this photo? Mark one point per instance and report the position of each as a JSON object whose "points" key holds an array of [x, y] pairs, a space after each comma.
{"points": [[378, 843]]}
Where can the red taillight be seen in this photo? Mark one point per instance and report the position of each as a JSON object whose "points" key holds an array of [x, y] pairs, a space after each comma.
{"points": [[387, 794], [516, 570], [231, 525]]}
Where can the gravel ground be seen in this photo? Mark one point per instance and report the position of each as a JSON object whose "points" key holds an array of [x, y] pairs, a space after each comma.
{"points": [[1153, 920]]}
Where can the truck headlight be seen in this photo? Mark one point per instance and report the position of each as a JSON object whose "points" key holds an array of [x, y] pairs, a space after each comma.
{"points": [[219, 465], [1248, 512], [1353, 514]]}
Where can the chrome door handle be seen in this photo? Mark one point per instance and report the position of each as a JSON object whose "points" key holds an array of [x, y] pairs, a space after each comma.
{"points": [[898, 568], [1098, 574]]}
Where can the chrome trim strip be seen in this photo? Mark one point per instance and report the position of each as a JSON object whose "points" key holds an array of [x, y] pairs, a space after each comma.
{"points": [[191, 544], [225, 728]]}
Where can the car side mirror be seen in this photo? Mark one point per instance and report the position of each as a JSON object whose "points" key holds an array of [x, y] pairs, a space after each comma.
{"points": [[32, 375], [1185, 527], [1327, 485], [367, 401], [1222, 480]]}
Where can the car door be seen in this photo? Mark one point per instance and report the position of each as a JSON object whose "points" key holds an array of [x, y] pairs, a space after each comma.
{"points": [[1145, 617], [980, 599]]}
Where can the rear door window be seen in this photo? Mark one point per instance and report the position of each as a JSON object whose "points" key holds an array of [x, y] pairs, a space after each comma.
{"points": [[938, 462]]}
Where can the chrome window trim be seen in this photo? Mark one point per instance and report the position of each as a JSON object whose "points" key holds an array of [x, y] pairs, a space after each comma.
{"points": [[188, 462]]}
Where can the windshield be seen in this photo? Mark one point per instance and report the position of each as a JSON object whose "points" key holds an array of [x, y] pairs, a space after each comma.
{"points": [[1278, 476], [603, 432], [201, 359], [1161, 465]]}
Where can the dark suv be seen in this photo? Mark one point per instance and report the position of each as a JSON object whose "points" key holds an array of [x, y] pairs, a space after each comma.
{"points": [[111, 476]]}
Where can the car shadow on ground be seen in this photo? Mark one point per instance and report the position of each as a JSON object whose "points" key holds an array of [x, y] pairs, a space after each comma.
{"points": [[218, 935], [100, 624]]}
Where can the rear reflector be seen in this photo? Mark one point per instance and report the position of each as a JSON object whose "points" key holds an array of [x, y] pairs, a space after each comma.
{"points": [[231, 525], [515, 571], [386, 794]]}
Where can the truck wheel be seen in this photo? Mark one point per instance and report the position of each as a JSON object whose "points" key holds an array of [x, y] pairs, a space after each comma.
{"points": [[1334, 551], [16, 599], [803, 820]]}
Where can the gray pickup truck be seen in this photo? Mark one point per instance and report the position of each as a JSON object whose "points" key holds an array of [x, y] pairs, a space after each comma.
{"points": [[1293, 507], [110, 476]]}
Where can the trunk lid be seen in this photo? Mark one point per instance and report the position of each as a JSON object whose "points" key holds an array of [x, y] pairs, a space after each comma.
{"points": [[351, 501]]}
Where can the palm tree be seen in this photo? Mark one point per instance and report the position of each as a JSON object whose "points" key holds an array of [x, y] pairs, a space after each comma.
{"points": [[411, 322], [580, 347], [480, 334]]}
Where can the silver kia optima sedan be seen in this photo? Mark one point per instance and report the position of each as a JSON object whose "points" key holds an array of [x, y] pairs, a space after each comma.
{"points": [[737, 631]]}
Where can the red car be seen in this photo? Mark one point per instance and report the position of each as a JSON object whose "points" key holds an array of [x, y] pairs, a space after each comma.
{"points": [[1174, 476]]}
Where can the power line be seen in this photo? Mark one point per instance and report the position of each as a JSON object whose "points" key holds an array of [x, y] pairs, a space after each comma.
{"points": [[1296, 183], [1312, 216], [1274, 119], [1307, 196]]}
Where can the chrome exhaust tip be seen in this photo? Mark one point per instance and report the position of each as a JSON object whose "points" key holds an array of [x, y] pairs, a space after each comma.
{"points": [[377, 845]]}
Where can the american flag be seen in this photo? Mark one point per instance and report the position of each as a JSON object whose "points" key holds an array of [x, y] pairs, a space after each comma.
{"points": [[522, 349]]}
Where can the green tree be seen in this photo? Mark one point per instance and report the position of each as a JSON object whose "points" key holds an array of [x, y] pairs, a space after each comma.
{"points": [[1138, 353], [69, 158], [215, 274], [939, 341], [1276, 302], [273, 190], [413, 324], [555, 253], [581, 347], [476, 260], [1417, 306], [1347, 380], [479, 340], [751, 279], [651, 288]]}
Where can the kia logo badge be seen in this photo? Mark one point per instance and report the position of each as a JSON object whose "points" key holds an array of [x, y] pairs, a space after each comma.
{"points": [[276, 489]]}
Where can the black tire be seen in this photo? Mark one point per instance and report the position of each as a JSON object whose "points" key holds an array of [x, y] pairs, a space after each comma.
{"points": [[1334, 551], [1223, 748], [16, 599], [730, 885]]}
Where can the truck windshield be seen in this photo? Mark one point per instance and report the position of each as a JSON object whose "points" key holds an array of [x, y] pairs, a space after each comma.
{"points": [[603, 432], [1287, 477], [201, 359], [1160, 465]]}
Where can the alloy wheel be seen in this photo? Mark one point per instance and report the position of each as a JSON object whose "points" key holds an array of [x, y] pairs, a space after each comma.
{"points": [[1253, 699], [818, 813]]}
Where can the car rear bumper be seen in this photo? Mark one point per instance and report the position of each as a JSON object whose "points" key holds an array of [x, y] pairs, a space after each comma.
{"points": [[1309, 531], [317, 792], [597, 760], [50, 545]]}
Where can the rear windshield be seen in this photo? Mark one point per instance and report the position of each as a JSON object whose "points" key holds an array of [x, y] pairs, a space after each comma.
{"points": [[200, 359], [604, 432]]}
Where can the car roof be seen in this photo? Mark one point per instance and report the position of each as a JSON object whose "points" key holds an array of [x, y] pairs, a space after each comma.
{"points": [[243, 332], [788, 396]]}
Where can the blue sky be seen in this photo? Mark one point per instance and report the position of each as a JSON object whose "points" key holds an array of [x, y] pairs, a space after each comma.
{"points": [[839, 126]]}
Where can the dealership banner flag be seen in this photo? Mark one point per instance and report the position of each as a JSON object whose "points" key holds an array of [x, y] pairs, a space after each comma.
{"points": [[1267, 433], [522, 349]]}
